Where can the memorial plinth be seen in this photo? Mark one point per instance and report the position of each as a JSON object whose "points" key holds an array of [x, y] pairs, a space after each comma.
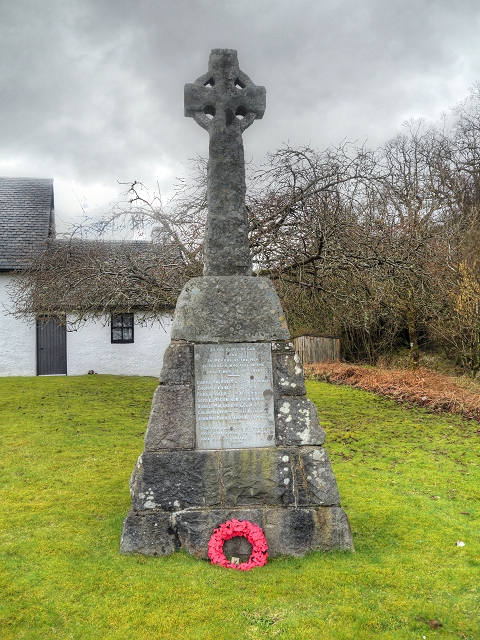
{"points": [[231, 433]]}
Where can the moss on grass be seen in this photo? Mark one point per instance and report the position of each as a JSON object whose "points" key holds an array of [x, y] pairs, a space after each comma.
{"points": [[409, 481]]}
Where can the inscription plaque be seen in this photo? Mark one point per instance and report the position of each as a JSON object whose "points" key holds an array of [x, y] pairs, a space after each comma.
{"points": [[234, 396]]}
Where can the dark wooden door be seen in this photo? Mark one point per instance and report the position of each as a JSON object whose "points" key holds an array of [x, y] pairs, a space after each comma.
{"points": [[51, 348]]}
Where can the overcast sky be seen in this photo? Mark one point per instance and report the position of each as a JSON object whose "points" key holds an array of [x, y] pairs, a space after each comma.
{"points": [[92, 90]]}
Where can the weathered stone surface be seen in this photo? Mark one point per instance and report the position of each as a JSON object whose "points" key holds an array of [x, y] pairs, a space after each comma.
{"points": [[174, 480], [229, 309], [332, 530], [256, 477], [150, 534], [194, 528], [288, 375], [238, 547], [283, 346], [318, 478], [224, 93], [177, 364], [293, 532], [172, 419], [297, 423], [177, 480], [289, 531]]}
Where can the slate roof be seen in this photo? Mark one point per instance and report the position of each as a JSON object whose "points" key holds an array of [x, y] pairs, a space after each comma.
{"points": [[26, 218]]}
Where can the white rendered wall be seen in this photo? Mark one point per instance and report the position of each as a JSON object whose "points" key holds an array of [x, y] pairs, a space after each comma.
{"points": [[90, 348], [18, 338]]}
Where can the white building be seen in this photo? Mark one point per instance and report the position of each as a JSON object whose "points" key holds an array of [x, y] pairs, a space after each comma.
{"points": [[117, 345]]}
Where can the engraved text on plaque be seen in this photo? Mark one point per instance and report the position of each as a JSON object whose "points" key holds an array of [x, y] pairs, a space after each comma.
{"points": [[234, 396]]}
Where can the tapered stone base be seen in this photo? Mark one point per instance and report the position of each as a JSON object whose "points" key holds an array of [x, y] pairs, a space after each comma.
{"points": [[181, 492]]}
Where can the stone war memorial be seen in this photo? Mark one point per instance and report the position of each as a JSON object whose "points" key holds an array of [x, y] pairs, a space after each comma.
{"points": [[231, 434]]}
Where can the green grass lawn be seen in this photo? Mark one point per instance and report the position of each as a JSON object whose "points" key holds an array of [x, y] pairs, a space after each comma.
{"points": [[409, 482]]}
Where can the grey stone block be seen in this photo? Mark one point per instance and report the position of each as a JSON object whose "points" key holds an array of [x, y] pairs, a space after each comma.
{"points": [[283, 346], [172, 419], [256, 477], [237, 547], [195, 528], [293, 532], [175, 480], [288, 378], [332, 530], [229, 309], [177, 364], [289, 531], [320, 483], [150, 534], [296, 422]]}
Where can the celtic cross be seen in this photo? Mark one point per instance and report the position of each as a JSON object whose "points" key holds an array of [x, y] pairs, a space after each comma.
{"points": [[224, 101]]}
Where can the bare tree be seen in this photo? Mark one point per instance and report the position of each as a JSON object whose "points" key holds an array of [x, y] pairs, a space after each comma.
{"points": [[458, 327], [79, 279]]}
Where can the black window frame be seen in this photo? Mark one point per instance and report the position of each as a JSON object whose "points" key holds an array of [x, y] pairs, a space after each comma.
{"points": [[119, 320]]}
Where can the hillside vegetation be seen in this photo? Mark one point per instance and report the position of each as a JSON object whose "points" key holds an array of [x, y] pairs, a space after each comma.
{"points": [[421, 386]]}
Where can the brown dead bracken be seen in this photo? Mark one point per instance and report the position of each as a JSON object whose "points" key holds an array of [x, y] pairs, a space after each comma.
{"points": [[421, 387]]}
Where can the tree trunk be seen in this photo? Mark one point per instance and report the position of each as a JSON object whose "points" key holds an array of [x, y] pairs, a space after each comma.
{"points": [[412, 337]]}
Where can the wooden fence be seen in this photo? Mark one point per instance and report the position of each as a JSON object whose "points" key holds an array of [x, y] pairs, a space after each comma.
{"points": [[317, 348]]}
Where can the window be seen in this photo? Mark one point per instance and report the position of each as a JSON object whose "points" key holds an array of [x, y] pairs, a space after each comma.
{"points": [[122, 328]]}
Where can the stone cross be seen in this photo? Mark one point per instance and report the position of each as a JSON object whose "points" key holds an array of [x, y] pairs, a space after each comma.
{"points": [[224, 101]]}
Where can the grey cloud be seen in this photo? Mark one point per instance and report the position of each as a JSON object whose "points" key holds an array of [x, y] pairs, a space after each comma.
{"points": [[93, 89]]}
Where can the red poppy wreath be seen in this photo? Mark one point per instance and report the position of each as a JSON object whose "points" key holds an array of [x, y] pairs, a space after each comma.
{"points": [[230, 529]]}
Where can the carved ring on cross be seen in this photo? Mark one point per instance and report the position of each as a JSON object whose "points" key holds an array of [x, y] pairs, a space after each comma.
{"points": [[224, 95]]}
